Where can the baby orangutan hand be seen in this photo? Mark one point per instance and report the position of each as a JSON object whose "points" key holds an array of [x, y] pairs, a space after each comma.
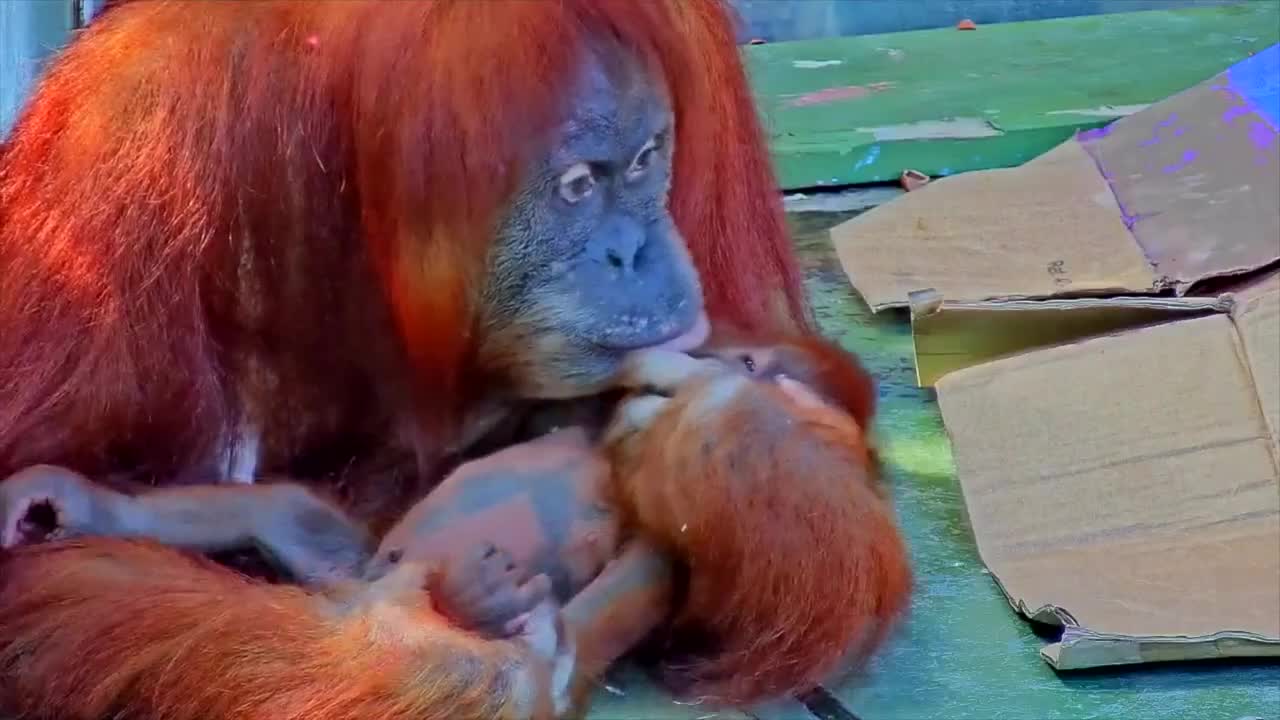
{"points": [[44, 502], [486, 592]]}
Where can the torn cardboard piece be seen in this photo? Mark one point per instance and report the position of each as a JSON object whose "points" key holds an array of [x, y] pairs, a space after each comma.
{"points": [[1115, 436], [949, 336], [1180, 192], [1042, 229], [1197, 176], [1126, 487]]}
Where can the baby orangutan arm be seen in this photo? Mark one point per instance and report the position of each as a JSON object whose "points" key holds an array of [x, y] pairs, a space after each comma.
{"points": [[296, 530], [620, 607]]}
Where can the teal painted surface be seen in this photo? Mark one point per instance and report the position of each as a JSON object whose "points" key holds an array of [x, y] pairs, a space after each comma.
{"points": [[30, 32], [846, 110], [783, 20], [963, 654]]}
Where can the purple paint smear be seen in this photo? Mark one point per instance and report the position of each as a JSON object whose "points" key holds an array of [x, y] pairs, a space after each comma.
{"points": [[1230, 114], [1188, 157], [1086, 140], [1251, 86], [1262, 134], [1086, 136]]}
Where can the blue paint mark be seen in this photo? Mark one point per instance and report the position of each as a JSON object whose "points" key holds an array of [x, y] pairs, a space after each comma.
{"points": [[1188, 157], [1257, 80], [1094, 134], [873, 154], [944, 172], [1230, 114], [1129, 220], [1262, 135], [1173, 117]]}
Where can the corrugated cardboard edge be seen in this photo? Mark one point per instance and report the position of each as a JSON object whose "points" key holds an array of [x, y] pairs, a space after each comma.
{"points": [[951, 335], [1082, 649]]}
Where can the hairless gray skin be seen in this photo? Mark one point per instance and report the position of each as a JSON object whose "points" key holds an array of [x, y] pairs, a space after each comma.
{"points": [[589, 263]]}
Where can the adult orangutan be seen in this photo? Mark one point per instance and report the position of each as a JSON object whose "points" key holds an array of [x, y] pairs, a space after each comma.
{"points": [[741, 424], [289, 237]]}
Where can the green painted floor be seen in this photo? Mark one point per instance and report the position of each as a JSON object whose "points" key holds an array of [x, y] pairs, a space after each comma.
{"points": [[962, 654], [860, 109]]}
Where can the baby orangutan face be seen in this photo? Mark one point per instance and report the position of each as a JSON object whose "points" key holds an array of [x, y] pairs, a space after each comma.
{"points": [[760, 362], [812, 371]]}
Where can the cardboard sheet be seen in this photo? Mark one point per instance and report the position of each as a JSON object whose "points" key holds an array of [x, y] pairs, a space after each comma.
{"points": [[1198, 176], [1180, 192], [1125, 487], [1049, 227], [1114, 426]]}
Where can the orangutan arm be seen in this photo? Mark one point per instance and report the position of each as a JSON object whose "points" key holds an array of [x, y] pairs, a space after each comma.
{"points": [[295, 529], [623, 604]]}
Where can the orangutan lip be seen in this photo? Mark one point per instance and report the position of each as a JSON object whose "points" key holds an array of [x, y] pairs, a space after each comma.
{"points": [[689, 339], [693, 337]]}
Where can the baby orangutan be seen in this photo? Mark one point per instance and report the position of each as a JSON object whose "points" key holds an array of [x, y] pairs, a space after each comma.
{"points": [[779, 424], [784, 430]]}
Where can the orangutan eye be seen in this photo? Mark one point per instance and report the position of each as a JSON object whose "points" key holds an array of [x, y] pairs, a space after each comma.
{"points": [[644, 159], [577, 183]]}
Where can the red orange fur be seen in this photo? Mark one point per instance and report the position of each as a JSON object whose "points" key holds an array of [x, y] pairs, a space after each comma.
{"points": [[748, 627], [112, 628], [113, 314], [774, 504], [109, 308]]}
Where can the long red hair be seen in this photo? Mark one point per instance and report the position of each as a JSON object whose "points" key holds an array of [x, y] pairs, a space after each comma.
{"points": [[402, 127]]}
